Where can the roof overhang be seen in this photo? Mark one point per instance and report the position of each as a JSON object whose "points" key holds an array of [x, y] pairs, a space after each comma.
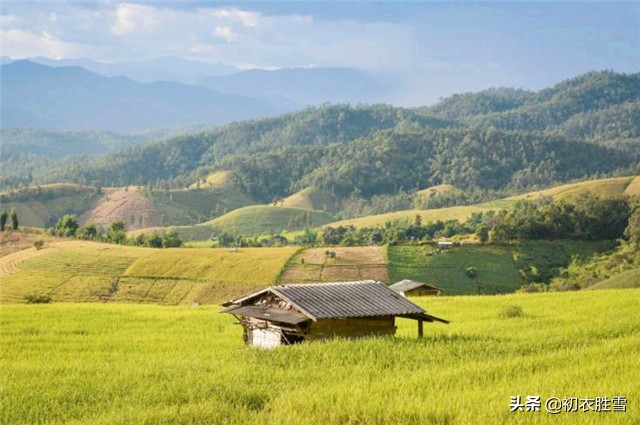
{"points": [[271, 314]]}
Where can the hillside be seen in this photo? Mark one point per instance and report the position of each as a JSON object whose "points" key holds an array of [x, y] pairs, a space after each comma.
{"points": [[137, 207], [312, 198], [628, 279], [123, 203], [82, 271], [41, 206], [254, 220], [603, 188]]}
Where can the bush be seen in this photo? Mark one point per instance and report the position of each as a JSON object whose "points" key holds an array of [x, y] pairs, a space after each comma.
{"points": [[471, 272], [511, 311], [38, 244], [37, 299]]}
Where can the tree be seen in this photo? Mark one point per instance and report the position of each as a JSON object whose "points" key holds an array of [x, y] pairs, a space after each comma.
{"points": [[632, 232], [117, 232], [154, 241], [13, 216], [483, 233], [67, 226], [3, 219], [171, 240]]}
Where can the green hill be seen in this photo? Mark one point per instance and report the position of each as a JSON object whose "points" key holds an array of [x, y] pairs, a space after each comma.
{"points": [[312, 198], [255, 220]]}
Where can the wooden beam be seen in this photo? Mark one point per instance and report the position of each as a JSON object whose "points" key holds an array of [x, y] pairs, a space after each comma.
{"points": [[420, 329]]}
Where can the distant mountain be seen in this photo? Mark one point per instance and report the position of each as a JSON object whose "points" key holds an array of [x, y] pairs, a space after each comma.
{"points": [[39, 96], [167, 68], [297, 87]]}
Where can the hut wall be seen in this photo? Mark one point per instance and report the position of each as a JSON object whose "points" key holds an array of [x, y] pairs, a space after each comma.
{"points": [[421, 292], [351, 328]]}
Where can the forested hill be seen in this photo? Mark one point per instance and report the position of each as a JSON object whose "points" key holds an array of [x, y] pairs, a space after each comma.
{"points": [[498, 139], [597, 105]]}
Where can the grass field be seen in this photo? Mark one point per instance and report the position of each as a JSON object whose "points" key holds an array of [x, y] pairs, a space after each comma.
{"points": [[495, 271], [350, 263], [78, 271], [121, 364], [498, 268]]}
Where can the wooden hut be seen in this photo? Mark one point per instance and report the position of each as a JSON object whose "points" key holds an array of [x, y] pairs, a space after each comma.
{"points": [[411, 288], [288, 314]]}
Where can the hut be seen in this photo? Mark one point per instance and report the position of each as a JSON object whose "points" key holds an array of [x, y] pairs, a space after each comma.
{"points": [[411, 288], [288, 314]]}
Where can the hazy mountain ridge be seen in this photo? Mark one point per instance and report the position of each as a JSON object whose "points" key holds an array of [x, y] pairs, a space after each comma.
{"points": [[38, 96]]}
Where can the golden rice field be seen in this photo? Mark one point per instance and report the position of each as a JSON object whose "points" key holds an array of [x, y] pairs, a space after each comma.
{"points": [[149, 364], [86, 271]]}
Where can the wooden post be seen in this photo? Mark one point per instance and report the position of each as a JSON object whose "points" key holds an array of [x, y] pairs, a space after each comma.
{"points": [[420, 329]]}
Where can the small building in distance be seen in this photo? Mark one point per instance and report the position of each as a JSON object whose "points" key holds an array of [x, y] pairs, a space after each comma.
{"points": [[445, 244], [288, 314], [411, 288]]}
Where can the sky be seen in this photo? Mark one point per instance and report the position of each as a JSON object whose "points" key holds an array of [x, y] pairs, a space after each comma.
{"points": [[469, 45]]}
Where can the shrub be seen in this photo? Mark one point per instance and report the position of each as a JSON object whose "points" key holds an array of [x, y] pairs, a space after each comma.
{"points": [[511, 311], [38, 244], [37, 299], [471, 272]]}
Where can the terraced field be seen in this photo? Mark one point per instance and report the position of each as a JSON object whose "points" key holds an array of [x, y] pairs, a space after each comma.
{"points": [[87, 271], [350, 263]]}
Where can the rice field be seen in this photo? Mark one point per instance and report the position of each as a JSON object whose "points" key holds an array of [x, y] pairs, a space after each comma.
{"points": [[92, 272], [349, 263], [123, 363]]}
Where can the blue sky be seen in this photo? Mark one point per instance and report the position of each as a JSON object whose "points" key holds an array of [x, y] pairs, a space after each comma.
{"points": [[462, 46]]}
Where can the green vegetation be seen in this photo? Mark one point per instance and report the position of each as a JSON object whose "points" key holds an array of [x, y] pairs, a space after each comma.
{"points": [[41, 206], [494, 269], [152, 364], [628, 279], [485, 144], [255, 220]]}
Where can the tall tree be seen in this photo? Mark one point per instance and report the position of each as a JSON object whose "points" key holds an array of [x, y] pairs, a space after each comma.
{"points": [[13, 216], [3, 219]]}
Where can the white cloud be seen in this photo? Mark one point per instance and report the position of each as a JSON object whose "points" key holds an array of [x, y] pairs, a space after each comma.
{"points": [[19, 44], [248, 19], [128, 31], [225, 33], [135, 17]]}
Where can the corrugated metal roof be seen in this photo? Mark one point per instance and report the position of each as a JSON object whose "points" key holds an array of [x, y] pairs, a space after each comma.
{"points": [[407, 285], [347, 299], [276, 315]]}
